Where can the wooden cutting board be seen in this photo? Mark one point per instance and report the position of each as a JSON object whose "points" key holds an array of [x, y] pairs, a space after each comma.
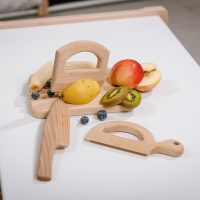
{"points": [[61, 78], [40, 107], [145, 144]]}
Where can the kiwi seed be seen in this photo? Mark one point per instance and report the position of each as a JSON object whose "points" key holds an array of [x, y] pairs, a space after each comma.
{"points": [[132, 100], [114, 96]]}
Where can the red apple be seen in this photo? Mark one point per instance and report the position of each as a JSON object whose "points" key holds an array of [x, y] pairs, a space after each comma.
{"points": [[126, 73]]}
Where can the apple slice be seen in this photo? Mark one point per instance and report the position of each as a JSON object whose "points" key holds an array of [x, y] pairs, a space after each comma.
{"points": [[151, 77]]}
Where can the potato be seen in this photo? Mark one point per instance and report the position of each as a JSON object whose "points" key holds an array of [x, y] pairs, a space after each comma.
{"points": [[81, 92]]}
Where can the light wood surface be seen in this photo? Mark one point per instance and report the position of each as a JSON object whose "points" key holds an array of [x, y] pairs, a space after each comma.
{"points": [[40, 107], [146, 145], [56, 135], [146, 11], [61, 78], [39, 78]]}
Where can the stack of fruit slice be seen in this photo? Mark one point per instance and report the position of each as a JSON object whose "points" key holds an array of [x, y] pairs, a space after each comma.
{"points": [[127, 75], [129, 98], [131, 74]]}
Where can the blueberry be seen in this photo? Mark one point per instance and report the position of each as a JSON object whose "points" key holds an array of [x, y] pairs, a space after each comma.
{"points": [[35, 95], [84, 120], [102, 115], [48, 84], [50, 93]]}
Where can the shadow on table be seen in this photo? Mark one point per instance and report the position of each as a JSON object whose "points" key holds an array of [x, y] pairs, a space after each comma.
{"points": [[22, 103]]}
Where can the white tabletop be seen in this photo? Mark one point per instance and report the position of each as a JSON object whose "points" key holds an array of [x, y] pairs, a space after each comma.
{"points": [[90, 171]]}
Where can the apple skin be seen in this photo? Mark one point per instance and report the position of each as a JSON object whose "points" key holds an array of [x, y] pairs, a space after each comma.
{"points": [[127, 73]]}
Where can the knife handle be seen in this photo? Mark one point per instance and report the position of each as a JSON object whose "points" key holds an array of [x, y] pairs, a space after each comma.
{"points": [[55, 136], [61, 78], [169, 147]]}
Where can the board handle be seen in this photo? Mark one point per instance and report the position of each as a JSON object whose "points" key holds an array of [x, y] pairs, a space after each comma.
{"points": [[55, 136], [169, 147], [61, 78]]}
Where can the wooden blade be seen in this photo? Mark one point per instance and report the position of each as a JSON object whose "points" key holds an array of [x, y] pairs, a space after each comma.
{"points": [[146, 145], [55, 136], [121, 143]]}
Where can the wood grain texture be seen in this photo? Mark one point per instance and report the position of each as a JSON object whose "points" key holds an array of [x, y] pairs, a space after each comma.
{"points": [[145, 11], [146, 145], [61, 78], [39, 78], [56, 135]]}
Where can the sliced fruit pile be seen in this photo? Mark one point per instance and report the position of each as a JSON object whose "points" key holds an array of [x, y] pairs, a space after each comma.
{"points": [[131, 78], [129, 73], [128, 77], [129, 98]]}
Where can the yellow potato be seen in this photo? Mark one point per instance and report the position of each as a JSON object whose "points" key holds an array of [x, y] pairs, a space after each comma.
{"points": [[81, 92]]}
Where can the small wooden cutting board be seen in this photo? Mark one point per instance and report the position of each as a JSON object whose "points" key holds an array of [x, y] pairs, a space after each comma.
{"points": [[146, 145], [61, 78], [40, 107]]}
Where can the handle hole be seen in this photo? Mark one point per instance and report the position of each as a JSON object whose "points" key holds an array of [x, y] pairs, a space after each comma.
{"points": [[126, 135], [176, 143], [83, 60]]}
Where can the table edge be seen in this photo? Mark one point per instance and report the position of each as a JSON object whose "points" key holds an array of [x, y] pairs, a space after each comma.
{"points": [[141, 12]]}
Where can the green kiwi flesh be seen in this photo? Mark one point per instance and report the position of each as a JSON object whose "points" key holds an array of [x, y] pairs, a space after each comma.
{"points": [[114, 96], [132, 100]]}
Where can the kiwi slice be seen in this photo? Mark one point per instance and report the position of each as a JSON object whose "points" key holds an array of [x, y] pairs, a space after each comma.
{"points": [[132, 100], [114, 96]]}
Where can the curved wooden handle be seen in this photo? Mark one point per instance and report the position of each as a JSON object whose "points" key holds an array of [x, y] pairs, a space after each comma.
{"points": [[169, 147], [55, 136], [62, 78]]}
